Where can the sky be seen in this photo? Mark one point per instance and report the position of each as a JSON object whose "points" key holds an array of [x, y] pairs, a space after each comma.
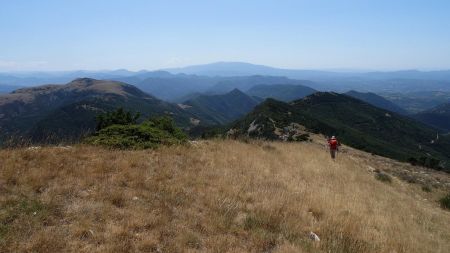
{"points": [[298, 34]]}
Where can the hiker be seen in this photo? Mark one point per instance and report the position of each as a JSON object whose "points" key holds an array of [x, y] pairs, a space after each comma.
{"points": [[333, 145]]}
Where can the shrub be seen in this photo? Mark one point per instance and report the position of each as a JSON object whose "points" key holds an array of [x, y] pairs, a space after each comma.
{"points": [[413, 161], [433, 163], [149, 134], [166, 124], [383, 177], [429, 162], [445, 202], [117, 117]]}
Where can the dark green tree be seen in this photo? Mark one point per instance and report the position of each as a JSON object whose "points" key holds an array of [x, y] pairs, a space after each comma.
{"points": [[117, 117]]}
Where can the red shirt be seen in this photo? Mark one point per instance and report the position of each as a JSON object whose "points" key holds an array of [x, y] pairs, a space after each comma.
{"points": [[333, 144]]}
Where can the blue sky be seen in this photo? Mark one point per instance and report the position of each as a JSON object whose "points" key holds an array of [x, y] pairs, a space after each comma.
{"points": [[138, 34]]}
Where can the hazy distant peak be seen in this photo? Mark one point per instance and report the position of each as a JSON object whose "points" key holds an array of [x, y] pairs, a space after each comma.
{"points": [[236, 91], [231, 64], [224, 69]]}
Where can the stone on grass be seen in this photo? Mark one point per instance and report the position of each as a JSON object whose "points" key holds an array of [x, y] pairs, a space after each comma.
{"points": [[313, 236]]}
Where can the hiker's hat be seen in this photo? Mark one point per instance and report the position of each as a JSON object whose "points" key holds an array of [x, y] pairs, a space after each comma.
{"points": [[333, 137]]}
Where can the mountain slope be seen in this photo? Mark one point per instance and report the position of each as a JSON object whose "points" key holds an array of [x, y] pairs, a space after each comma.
{"points": [[220, 109], [355, 122], [438, 117], [245, 83], [217, 196], [397, 81], [377, 101], [68, 111], [282, 92]]}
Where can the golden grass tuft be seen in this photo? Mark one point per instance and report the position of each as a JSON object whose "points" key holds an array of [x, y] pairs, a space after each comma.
{"points": [[215, 196]]}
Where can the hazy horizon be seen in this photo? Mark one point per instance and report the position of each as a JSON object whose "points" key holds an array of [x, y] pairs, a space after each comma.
{"points": [[347, 35], [336, 70]]}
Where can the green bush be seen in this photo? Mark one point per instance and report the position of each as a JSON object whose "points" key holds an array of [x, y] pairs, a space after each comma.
{"points": [[445, 202], [117, 117], [149, 134], [429, 162]]}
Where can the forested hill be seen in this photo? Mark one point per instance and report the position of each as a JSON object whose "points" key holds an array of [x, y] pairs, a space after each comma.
{"points": [[356, 123]]}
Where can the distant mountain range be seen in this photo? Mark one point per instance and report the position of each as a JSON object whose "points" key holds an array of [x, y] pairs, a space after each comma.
{"points": [[392, 81], [176, 87], [51, 113], [356, 123], [246, 69], [161, 84], [420, 94], [55, 112], [223, 77]]}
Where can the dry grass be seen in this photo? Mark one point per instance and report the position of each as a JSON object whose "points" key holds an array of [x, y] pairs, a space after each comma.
{"points": [[215, 196]]}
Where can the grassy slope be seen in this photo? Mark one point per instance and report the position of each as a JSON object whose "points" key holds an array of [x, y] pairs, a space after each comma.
{"points": [[215, 196]]}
